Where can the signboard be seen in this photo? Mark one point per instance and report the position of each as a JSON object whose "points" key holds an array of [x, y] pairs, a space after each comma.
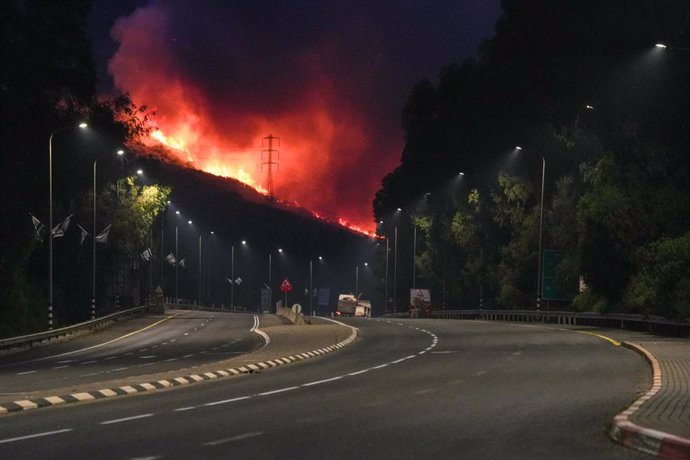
{"points": [[550, 290], [286, 286], [420, 298], [265, 300], [323, 297]]}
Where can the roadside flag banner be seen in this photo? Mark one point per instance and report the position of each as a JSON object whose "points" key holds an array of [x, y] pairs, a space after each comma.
{"points": [[103, 236], [182, 262], [171, 259], [238, 281], [84, 234], [61, 228], [39, 228], [229, 280], [146, 255]]}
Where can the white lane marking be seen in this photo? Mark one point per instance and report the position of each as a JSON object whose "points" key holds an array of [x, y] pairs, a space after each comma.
{"points": [[188, 356], [318, 382], [152, 457], [225, 401], [282, 390], [169, 360], [359, 372], [233, 439], [89, 375], [381, 366], [126, 419], [60, 367], [88, 362], [186, 333], [120, 369], [110, 357], [146, 364], [36, 435], [64, 361], [147, 357], [255, 328], [173, 340], [27, 372], [183, 409]]}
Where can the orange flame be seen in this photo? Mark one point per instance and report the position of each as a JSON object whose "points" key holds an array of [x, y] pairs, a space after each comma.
{"points": [[330, 159]]}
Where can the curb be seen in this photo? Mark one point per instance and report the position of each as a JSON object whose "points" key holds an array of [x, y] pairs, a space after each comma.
{"points": [[647, 440], [28, 404]]}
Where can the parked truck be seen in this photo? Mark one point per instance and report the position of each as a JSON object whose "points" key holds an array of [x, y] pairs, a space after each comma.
{"points": [[351, 305]]}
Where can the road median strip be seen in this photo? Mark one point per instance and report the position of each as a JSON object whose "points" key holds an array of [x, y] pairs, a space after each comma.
{"points": [[48, 401]]}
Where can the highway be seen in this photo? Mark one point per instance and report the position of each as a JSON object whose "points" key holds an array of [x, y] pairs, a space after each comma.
{"points": [[404, 389], [142, 345]]}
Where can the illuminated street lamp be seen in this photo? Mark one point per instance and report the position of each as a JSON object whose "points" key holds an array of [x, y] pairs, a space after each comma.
{"points": [[50, 220], [93, 243], [541, 225], [366, 264]]}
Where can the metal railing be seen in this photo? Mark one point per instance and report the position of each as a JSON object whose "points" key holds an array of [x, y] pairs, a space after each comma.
{"points": [[652, 324], [63, 332]]}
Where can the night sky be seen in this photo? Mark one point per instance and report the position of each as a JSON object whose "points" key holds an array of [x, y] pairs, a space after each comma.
{"points": [[329, 78]]}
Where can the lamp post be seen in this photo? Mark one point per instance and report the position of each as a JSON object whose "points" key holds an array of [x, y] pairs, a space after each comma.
{"points": [[395, 272], [50, 220], [357, 278], [541, 226], [414, 255], [93, 242]]}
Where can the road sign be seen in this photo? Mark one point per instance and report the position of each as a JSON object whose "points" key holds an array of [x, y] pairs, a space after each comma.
{"points": [[286, 286]]}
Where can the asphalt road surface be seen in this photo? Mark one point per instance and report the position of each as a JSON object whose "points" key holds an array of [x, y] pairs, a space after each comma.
{"points": [[404, 389], [141, 345]]}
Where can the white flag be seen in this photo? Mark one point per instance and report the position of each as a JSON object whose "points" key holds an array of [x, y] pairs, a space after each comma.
{"points": [[103, 236], [146, 255], [171, 259], [39, 228], [182, 263], [229, 280], [238, 281], [61, 228], [84, 234]]}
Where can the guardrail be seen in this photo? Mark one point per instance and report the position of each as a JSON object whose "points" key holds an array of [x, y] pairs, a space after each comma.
{"points": [[652, 324], [56, 334]]}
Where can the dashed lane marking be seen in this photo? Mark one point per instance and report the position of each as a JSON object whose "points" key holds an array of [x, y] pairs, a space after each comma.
{"points": [[126, 419], [233, 439], [36, 435]]}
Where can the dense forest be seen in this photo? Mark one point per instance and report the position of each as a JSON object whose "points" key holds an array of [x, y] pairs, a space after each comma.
{"points": [[602, 117]]}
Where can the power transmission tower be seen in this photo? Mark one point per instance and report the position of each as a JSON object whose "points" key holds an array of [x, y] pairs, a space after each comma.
{"points": [[270, 157]]}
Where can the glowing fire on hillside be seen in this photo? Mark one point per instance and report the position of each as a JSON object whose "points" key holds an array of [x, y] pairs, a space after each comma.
{"points": [[213, 113], [219, 168]]}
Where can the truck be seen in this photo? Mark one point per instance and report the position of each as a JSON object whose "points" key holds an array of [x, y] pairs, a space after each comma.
{"points": [[351, 305]]}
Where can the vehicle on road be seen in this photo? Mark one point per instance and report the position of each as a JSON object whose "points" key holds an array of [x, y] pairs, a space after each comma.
{"points": [[351, 305]]}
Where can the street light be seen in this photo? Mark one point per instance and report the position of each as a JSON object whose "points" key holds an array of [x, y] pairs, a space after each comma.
{"points": [[232, 276], [541, 225], [311, 285], [366, 264], [50, 220], [93, 256]]}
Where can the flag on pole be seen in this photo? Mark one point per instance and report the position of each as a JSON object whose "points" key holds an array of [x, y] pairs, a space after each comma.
{"points": [[182, 262], [171, 259], [103, 236], [146, 255], [39, 228], [229, 280], [61, 228], [84, 234], [238, 281]]}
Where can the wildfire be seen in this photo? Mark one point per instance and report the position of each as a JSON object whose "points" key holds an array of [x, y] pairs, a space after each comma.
{"points": [[332, 156]]}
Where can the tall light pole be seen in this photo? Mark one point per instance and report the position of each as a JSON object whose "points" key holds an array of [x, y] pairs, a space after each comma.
{"points": [[395, 272], [199, 292], [414, 255], [93, 242], [385, 303], [357, 278], [50, 220], [541, 226]]}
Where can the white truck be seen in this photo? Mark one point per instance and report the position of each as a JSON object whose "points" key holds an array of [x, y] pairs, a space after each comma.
{"points": [[351, 305]]}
